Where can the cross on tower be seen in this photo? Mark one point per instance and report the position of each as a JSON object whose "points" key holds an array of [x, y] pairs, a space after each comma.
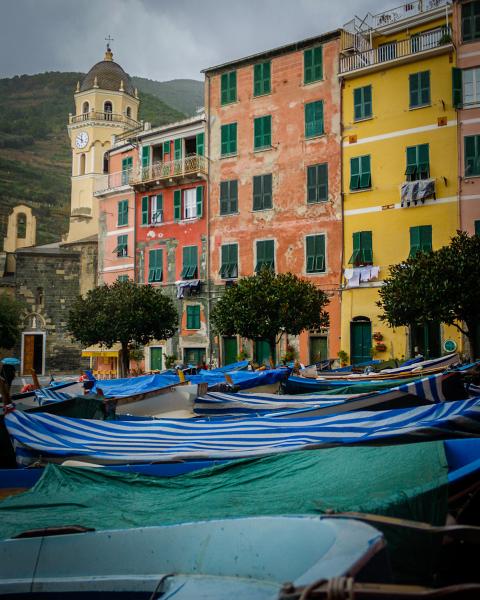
{"points": [[108, 40]]}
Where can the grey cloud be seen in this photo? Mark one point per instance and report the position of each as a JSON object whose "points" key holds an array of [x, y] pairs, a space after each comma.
{"points": [[158, 39]]}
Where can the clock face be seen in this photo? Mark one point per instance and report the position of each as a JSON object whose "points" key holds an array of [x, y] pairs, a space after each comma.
{"points": [[81, 140]]}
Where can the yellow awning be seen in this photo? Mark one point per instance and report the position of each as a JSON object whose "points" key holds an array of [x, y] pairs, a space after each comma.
{"points": [[99, 350]]}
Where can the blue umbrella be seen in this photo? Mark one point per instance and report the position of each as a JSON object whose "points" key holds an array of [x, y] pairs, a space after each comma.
{"points": [[11, 361]]}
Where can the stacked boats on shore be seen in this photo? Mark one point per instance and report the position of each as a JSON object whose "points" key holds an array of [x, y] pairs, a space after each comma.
{"points": [[208, 446]]}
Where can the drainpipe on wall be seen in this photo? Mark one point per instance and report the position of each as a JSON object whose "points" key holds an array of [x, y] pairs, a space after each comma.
{"points": [[342, 251], [209, 290]]}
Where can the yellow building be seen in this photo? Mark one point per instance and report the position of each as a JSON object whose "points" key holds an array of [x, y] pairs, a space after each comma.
{"points": [[106, 104], [399, 166]]}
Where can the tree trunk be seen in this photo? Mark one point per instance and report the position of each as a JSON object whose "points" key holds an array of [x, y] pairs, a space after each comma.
{"points": [[472, 339], [124, 360]]}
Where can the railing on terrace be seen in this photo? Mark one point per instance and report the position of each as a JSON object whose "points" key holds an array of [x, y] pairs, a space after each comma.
{"points": [[393, 15], [189, 165], [110, 181], [94, 115], [395, 50]]}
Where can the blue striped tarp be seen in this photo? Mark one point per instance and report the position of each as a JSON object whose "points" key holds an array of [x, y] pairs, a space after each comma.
{"points": [[56, 438], [46, 395], [429, 389]]}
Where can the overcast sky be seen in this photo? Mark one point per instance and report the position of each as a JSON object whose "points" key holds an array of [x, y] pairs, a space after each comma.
{"points": [[159, 39]]}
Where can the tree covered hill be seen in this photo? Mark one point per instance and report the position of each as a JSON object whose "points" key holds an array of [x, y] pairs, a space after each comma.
{"points": [[185, 95], [35, 158]]}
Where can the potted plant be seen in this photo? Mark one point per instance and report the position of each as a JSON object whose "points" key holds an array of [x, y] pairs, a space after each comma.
{"points": [[380, 347], [377, 336], [343, 358], [170, 360], [290, 354]]}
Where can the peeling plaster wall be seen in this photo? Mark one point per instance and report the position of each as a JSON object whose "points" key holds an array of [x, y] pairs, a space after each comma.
{"points": [[291, 218]]}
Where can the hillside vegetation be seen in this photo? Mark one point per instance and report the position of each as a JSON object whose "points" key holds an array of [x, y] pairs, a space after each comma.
{"points": [[35, 157], [185, 95]]}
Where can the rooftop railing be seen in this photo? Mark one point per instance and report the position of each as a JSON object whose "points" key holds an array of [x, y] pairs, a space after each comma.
{"points": [[429, 40]]}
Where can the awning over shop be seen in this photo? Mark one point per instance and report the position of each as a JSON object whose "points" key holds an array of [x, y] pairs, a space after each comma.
{"points": [[99, 350]]}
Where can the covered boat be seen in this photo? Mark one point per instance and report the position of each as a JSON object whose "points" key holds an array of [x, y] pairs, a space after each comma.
{"points": [[241, 558]]}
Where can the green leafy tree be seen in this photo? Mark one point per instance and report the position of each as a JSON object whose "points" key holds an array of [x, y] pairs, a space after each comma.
{"points": [[267, 305], [437, 286], [10, 313], [123, 312]]}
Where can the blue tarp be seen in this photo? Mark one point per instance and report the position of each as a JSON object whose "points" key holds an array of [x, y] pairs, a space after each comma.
{"points": [[244, 379]]}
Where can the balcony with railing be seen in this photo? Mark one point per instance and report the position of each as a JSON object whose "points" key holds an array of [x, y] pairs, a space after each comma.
{"points": [[434, 41], [94, 115], [112, 182], [174, 171]]}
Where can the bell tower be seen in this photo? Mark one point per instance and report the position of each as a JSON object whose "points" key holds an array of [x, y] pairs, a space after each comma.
{"points": [[106, 104]]}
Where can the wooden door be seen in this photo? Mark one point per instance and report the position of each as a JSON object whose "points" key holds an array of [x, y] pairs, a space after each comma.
{"points": [[262, 352], [360, 341], [318, 349], [155, 359], [28, 353], [230, 350]]}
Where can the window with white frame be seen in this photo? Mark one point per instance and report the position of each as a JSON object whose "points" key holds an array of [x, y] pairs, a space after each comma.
{"points": [[190, 203], [471, 86]]}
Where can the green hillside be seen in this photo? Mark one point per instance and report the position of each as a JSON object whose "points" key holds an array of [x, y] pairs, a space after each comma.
{"points": [[35, 158], [185, 94]]}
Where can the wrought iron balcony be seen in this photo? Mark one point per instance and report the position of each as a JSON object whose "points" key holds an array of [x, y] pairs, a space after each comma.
{"points": [[189, 167], [434, 40], [94, 115]]}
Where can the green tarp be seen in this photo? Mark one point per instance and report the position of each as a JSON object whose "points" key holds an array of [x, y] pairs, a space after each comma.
{"points": [[406, 481]]}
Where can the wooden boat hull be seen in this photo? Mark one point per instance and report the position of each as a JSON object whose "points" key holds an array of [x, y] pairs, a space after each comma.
{"points": [[176, 402], [242, 558]]}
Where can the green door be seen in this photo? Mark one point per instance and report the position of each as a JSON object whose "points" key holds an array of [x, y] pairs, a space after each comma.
{"points": [[155, 359], [194, 356], [318, 349], [262, 352], [360, 341], [425, 340], [230, 350]]}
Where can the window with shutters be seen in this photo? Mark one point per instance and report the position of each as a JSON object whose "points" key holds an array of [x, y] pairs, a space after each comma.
{"points": [[312, 65], [262, 79], [155, 266], [188, 204], [315, 253], [360, 173], [228, 85], [472, 155], [362, 103], [477, 227], [265, 255], [262, 133], [190, 262], [122, 213], [152, 210], [166, 148], [471, 21], [229, 261], [123, 278], [228, 197], [420, 240], [262, 192], [419, 84], [470, 87], [145, 156], [457, 91], [228, 139], [122, 245], [362, 249], [317, 183], [418, 162], [127, 164], [314, 119], [193, 316]]}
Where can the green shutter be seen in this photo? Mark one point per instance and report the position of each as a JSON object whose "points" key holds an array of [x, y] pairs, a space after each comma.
{"points": [[414, 91], [366, 245], [257, 133], [412, 166], [233, 86], [470, 21], [145, 156], [225, 139], [257, 192], [224, 88], [354, 259], [200, 201], [257, 80], [177, 205], [233, 138], [190, 262], [365, 174], [358, 103], [229, 262], [122, 213], [477, 227], [224, 187], [228, 139], [426, 238], [178, 149], [425, 87], [155, 266], [472, 155], [145, 215], [233, 194], [423, 161], [457, 90], [193, 317], [367, 101], [200, 144], [419, 89], [228, 197], [414, 241], [228, 86], [308, 66], [262, 132], [354, 173], [314, 118], [312, 65], [166, 148], [315, 250], [265, 255], [318, 63], [267, 78]]}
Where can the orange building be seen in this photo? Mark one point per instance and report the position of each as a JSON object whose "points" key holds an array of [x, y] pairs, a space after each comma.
{"points": [[273, 143]]}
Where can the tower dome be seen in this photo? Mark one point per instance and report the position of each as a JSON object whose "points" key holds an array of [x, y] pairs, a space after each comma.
{"points": [[108, 75]]}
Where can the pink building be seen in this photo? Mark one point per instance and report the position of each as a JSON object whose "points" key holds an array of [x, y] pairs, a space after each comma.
{"points": [[466, 85]]}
